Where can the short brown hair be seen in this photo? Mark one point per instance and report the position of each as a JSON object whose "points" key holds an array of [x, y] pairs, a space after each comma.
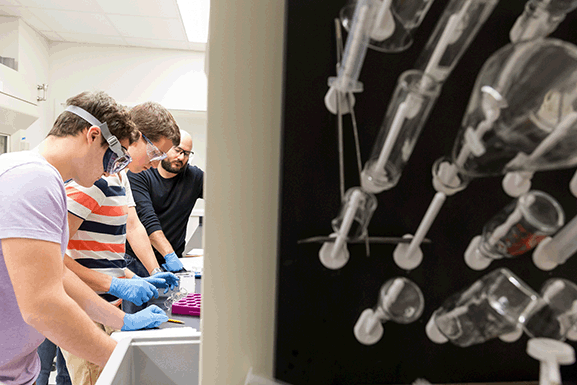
{"points": [[155, 121], [102, 107]]}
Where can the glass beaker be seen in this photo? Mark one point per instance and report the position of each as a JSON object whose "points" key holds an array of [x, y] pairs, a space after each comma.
{"points": [[495, 305], [516, 229], [557, 310], [413, 99], [400, 300]]}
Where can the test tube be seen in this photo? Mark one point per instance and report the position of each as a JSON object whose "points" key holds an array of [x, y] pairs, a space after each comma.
{"points": [[396, 21], [556, 250], [413, 99], [400, 300], [516, 229], [540, 18], [351, 224]]}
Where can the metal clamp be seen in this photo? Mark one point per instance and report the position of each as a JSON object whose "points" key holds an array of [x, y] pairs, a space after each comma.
{"points": [[42, 87]]}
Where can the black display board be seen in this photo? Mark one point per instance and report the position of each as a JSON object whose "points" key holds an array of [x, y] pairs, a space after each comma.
{"points": [[317, 307]]}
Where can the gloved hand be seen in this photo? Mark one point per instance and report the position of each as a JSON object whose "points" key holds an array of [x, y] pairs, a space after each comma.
{"points": [[162, 280], [148, 318], [137, 291], [172, 262]]}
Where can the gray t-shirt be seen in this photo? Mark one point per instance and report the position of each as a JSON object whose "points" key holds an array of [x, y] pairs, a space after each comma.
{"points": [[33, 206]]}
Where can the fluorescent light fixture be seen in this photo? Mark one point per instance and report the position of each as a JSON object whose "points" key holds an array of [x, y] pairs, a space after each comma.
{"points": [[194, 14]]}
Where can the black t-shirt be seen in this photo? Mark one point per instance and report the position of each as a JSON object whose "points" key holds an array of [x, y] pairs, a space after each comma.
{"points": [[166, 204]]}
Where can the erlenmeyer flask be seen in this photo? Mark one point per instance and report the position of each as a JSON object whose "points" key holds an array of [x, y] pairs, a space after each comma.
{"points": [[395, 22], [540, 18], [522, 112], [495, 305], [400, 300]]}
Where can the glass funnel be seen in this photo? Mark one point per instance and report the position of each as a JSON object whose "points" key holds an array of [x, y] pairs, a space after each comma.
{"points": [[395, 22], [400, 300], [540, 18], [495, 305], [522, 112]]}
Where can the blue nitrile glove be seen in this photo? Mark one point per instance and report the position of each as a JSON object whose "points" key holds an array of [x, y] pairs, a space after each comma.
{"points": [[172, 262], [162, 280], [148, 318], [136, 291]]}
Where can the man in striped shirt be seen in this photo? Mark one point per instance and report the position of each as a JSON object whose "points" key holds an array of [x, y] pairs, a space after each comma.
{"points": [[102, 217]]}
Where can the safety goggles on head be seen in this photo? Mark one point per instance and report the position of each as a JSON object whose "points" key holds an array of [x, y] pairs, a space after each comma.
{"points": [[116, 158], [152, 151]]}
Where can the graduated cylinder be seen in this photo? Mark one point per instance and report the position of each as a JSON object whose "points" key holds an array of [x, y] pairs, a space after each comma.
{"points": [[408, 111]]}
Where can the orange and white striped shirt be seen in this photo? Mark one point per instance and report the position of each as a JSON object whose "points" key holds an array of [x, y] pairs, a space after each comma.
{"points": [[99, 243]]}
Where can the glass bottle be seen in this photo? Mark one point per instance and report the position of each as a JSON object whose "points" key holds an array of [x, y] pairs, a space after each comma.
{"points": [[495, 305]]}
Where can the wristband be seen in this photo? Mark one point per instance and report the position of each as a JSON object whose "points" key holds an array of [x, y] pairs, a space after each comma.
{"points": [[156, 270]]}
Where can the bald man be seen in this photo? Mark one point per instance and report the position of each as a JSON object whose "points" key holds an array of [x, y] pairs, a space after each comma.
{"points": [[164, 199]]}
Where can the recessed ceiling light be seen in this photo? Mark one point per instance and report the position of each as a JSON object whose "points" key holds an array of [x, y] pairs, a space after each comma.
{"points": [[194, 14]]}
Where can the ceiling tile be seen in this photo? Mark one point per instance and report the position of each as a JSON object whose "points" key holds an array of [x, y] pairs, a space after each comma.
{"points": [[148, 27], [10, 2], [52, 36], [153, 8], [75, 22], [27, 16], [93, 39], [66, 5], [13, 11], [171, 44]]}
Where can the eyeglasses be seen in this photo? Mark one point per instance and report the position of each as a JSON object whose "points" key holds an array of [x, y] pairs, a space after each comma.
{"points": [[179, 151], [152, 151], [115, 158]]}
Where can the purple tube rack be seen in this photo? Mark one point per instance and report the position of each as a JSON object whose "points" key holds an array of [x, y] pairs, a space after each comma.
{"points": [[189, 305]]}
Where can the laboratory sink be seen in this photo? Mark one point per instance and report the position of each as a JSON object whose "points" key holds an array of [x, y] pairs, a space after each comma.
{"points": [[154, 357]]}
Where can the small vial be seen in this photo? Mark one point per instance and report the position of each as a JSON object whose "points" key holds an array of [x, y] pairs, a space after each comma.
{"points": [[516, 229], [356, 213], [351, 224]]}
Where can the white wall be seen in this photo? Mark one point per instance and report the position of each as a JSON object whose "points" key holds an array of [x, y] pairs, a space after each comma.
{"points": [[131, 75], [241, 189], [33, 62]]}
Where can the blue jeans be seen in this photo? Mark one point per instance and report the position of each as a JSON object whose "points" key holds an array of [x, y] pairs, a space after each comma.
{"points": [[47, 350], [134, 265]]}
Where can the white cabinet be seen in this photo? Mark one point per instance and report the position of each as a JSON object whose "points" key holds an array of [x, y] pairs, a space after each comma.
{"points": [[18, 104]]}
